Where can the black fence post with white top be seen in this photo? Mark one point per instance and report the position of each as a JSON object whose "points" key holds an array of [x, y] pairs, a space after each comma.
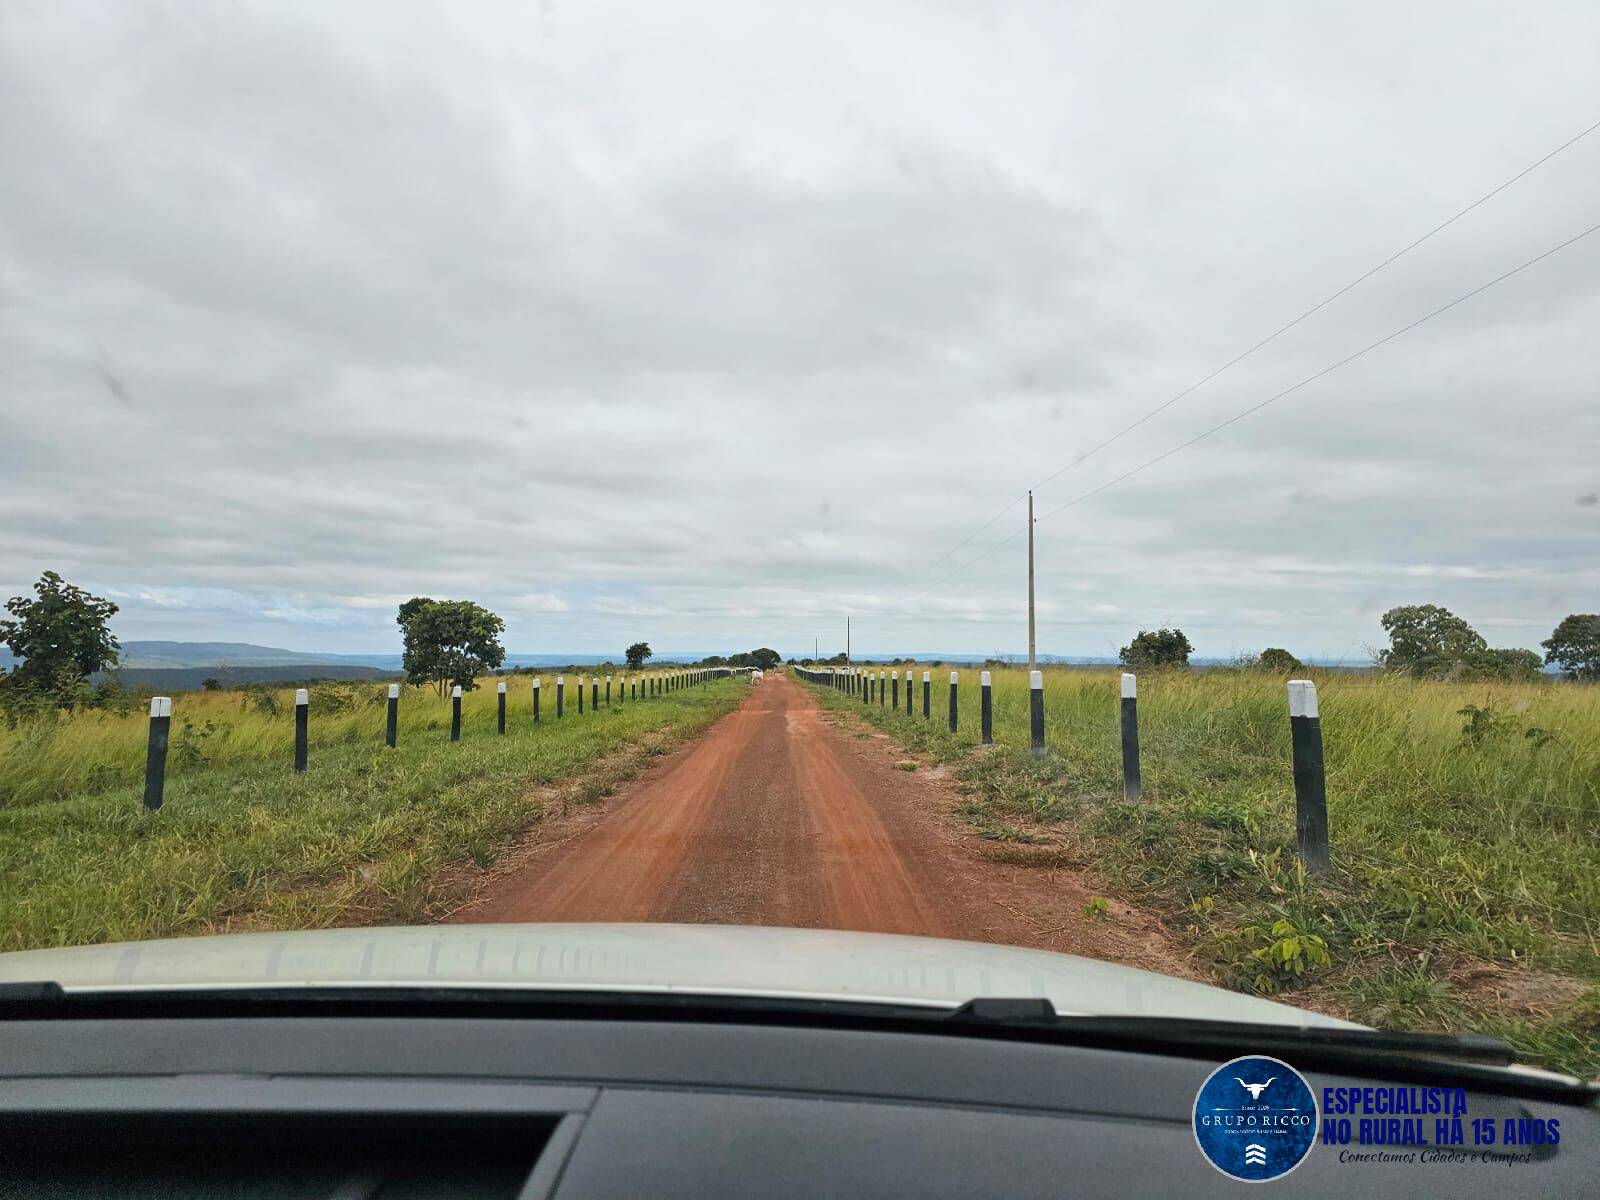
{"points": [[1036, 712], [500, 699], [608, 691], [536, 690], [986, 707], [1310, 784], [594, 693], [391, 729], [561, 696], [155, 755], [1132, 787], [895, 677], [927, 694], [954, 677], [580, 695], [455, 713], [302, 723]]}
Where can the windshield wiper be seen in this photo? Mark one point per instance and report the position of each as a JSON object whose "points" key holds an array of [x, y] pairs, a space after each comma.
{"points": [[1418, 1057], [1041, 1014]]}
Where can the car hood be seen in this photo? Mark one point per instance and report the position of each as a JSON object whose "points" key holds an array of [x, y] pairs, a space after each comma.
{"points": [[699, 959]]}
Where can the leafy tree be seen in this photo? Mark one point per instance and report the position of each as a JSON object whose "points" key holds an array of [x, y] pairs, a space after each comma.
{"points": [[1509, 664], [1277, 660], [1575, 645], [765, 658], [714, 660], [211, 683], [636, 655], [1158, 648], [61, 637], [1425, 639], [449, 642]]}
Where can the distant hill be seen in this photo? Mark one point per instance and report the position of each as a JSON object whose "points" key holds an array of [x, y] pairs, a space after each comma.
{"points": [[191, 679]]}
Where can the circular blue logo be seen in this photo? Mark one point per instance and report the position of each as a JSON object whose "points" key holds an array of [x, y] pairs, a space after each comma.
{"points": [[1255, 1118]]}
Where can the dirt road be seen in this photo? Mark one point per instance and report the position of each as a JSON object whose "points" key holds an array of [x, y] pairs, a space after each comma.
{"points": [[780, 817]]}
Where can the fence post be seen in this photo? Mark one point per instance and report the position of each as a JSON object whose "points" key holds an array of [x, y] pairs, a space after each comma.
{"points": [[302, 711], [895, 676], [1310, 785], [594, 692], [883, 688], [954, 677], [1132, 788], [500, 699], [536, 689], [633, 688], [455, 713], [580, 695], [861, 688], [927, 694], [608, 693], [155, 755], [561, 696], [986, 708], [1036, 711], [391, 733]]}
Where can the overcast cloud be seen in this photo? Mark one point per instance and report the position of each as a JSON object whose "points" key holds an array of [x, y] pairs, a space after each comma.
{"points": [[710, 323]]}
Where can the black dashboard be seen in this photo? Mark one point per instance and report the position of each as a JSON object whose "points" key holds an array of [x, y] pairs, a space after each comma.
{"points": [[379, 1106]]}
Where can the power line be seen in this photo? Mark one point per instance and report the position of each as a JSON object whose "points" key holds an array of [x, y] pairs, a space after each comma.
{"points": [[1349, 358], [1271, 337], [1255, 408]]}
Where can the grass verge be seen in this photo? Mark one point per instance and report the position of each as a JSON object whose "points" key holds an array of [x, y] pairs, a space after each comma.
{"points": [[366, 836], [1465, 822]]}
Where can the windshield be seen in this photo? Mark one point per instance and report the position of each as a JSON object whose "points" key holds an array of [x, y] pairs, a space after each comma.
{"points": [[1107, 481]]}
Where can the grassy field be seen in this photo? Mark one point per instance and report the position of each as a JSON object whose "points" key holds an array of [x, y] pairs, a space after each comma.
{"points": [[1464, 818], [366, 835]]}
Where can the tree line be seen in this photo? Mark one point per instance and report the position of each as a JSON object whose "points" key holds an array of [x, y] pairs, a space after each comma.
{"points": [[62, 636], [1426, 641]]}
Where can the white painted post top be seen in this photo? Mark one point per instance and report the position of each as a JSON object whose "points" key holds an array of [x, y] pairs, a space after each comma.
{"points": [[1130, 686], [927, 677], [1036, 680], [536, 681], [608, 679], [955, 676], [456, 691], [984, 679], [1302, 698], [394, 691], [502, 688], [894, 674], [301, 696], [160, 706], [561, 678]]}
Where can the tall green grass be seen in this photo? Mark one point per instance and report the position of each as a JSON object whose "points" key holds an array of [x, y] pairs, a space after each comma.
{"points": [[366, 835], [1456, 837], [96, 750]]}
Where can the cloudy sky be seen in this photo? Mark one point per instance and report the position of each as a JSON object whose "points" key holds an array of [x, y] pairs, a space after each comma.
{"points": [[711, 323]]}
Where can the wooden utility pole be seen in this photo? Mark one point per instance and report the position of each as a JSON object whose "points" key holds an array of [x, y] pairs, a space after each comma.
{"points": [[1033, 664], [847, 639]]}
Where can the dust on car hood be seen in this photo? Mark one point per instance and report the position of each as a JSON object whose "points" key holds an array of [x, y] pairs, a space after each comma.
{"points": [[696, 959]]}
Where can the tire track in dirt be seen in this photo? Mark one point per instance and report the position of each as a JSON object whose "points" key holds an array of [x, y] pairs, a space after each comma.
{"points": [[780, 816]]}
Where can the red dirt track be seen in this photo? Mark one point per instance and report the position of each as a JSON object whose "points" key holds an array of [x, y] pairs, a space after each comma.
{"points": [[776, 817]]}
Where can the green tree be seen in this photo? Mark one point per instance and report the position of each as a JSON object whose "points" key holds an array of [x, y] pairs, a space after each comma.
{"points": [[636, 655], [211, 684], [449, 642], [61, 637], [1158, 648], [1426, 640], [1516, 665], [714, 660], [1575, 645], [1277, 660], [765, 658]]}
